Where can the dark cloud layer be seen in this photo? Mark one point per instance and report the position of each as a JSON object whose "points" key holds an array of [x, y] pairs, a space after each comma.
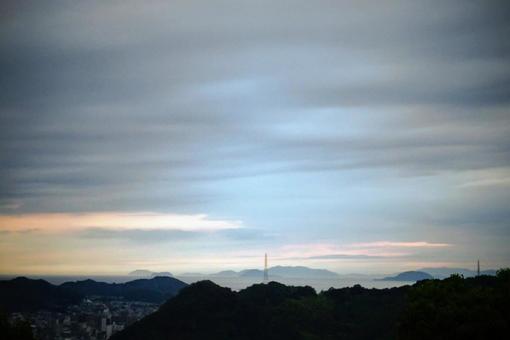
{"points": [[155, 106], [102, 95]]}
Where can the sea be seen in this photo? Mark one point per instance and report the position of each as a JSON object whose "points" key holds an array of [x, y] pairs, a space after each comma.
{"points": [[237, 283]]}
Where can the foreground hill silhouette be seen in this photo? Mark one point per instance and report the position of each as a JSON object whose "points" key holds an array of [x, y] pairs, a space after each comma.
{"points": [[22, 294], [205, 310], [454, 308], [458, 308], [157, 289]]}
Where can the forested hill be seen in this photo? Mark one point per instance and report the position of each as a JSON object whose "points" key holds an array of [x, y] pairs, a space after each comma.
{"points": [[22, 294], [157, 289], [453, 308], [273, 311]]}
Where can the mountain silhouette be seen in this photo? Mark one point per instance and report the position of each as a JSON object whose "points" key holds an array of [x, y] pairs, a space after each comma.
{"points": [[157, 289], [411, 276], [225, 273], [252, 273], [154, 274], [301, 272], [291, 272], [204, 310], [23, 295]]}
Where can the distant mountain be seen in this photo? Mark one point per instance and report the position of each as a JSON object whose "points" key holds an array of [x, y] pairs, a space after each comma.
{"points": [[141, 272], [161, 274], [226, 273], [280, 272], [251, 273], [157, 289], [191, 274], [411, 276], [148, 273], [444, 272], [22, 294], [490, 272], [301, 272]]}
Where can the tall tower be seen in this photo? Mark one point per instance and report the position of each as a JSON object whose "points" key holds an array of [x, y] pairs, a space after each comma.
{"points": [[266, 271], [478, 268]]}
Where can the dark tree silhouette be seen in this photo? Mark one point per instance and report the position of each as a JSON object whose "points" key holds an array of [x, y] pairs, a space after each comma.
{"points": [[458, 308], [19, 330]]}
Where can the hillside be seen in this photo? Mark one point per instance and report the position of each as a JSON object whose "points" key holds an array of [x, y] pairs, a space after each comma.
{"points": [[157, 289], [458, 308], [454, 308], [274, 311], [22, 294]]}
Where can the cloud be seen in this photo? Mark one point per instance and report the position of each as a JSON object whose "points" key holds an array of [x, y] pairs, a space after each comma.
{"points": [[9, 206], [193, 94], [355, 251], [338, 120], [388, 244], [114, 221], [498, 182], [344, 257], [144, 236]]}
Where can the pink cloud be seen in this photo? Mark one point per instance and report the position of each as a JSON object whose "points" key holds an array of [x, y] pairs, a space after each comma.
{"points": [[389, 244], [364, 249], [61, 222]]}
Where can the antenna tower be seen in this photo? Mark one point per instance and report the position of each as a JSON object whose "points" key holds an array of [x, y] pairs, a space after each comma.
{"points": [[266, 271]]}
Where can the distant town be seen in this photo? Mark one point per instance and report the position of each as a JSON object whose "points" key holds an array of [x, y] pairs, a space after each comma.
{"points": [[95, 318]]}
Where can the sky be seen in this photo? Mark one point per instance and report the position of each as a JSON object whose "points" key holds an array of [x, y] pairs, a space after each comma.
{"points": [[195, 136]]}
